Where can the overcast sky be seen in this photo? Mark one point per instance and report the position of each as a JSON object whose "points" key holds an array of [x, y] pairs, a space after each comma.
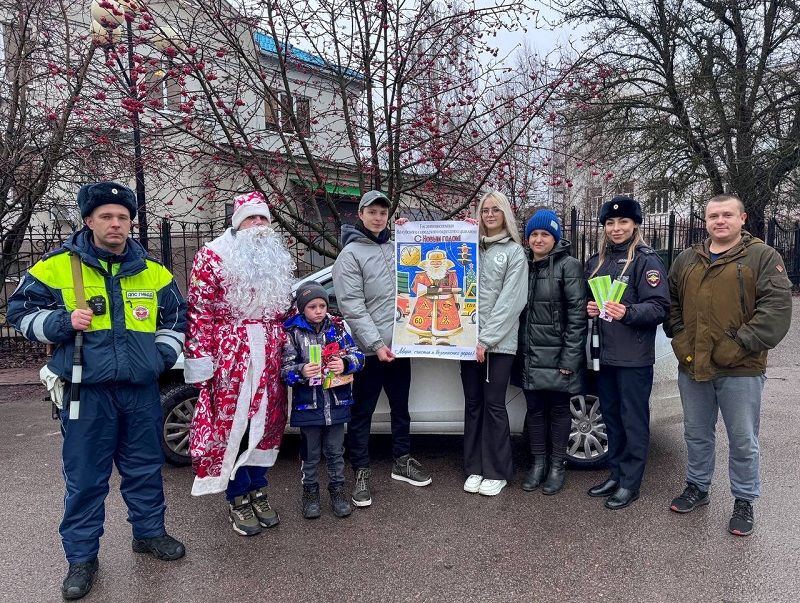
{"points": [[541, 36]]}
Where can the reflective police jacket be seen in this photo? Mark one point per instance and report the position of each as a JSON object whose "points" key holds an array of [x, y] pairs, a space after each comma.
{"points": [[141, 332]]}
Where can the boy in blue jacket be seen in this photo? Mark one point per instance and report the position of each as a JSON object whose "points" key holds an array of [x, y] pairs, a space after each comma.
{"points": [[321, 394]]}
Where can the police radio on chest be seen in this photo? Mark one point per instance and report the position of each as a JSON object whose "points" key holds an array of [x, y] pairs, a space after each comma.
{"points": [[97, 305]]}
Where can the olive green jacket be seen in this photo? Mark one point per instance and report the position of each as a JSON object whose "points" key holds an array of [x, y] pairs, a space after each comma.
{"points": [[725, 315]]}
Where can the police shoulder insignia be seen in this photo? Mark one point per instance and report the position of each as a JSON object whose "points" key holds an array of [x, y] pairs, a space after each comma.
{"points": [[779, 268], [653, 278]]}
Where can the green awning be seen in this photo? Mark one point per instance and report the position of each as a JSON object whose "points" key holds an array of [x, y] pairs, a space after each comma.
{"points": [[333, 189]]}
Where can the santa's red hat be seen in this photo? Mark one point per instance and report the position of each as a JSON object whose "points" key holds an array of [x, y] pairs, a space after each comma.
{"points": [[249, 204]]}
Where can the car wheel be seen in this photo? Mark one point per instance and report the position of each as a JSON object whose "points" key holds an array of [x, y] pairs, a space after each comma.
{"points": [[474, 317], [177, 404], [398, 315], [588, 442]]}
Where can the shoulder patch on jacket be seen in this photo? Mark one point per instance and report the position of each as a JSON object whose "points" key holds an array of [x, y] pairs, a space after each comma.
{"points": [[779, 268], [653, 278]]}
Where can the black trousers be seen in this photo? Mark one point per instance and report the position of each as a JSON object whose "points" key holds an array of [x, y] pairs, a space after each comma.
{"points": [[395, 378], [548, 413], [487, 436], [625, 402]]}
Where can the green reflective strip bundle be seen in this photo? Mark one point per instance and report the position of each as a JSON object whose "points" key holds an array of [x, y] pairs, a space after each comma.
{"points": [[617, 290], [600, 286]]}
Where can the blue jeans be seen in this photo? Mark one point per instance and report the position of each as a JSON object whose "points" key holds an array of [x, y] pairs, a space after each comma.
{"points": [[739, 401], [247, 479]]}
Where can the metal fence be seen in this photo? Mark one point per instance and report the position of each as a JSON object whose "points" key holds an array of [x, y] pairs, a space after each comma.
{"points": [[670, 234], [176, 243]]}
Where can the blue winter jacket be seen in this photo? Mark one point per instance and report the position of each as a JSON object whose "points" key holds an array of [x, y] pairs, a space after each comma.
{"points": [[139, 335], [314, 405]]}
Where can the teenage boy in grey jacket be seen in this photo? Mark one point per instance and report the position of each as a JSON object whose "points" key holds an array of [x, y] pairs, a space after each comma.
{"points": [[364, 280]]}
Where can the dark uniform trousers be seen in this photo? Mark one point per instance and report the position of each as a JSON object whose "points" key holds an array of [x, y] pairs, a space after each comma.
{"points": [[625, 403], [119, 424]]}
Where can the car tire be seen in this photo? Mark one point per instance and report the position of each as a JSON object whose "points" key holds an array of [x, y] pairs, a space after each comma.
{"points": [[398, 315], [177, 405], [588, 442]]}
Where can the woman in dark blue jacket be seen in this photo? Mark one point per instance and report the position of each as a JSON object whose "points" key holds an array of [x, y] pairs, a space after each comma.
{"points": [[627, 345]]}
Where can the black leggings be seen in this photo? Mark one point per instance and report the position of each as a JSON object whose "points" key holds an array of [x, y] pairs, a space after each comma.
{"points": [[548, 411]]}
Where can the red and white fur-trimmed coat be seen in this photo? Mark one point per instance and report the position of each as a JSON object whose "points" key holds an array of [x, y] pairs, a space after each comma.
{"points": [[236, 362]]}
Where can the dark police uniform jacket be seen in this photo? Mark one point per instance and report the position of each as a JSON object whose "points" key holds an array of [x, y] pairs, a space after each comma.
{"points": [[630, 342]]}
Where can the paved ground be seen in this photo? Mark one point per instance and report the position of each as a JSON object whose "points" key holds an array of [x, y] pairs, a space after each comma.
{"points": [[429, 544]]}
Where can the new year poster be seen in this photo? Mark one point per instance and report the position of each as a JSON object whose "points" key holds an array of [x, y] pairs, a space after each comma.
{"points": [[436, 312]]}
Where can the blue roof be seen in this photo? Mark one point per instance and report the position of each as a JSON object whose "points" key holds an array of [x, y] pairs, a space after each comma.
{"points": [[267, 45]]}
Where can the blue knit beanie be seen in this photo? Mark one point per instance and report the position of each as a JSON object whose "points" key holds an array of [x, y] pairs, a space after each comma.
{"points": [[544, 219]]}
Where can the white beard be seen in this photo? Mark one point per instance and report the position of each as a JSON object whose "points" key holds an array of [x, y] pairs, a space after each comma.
{"points": [[437, 274], [258, 273]]}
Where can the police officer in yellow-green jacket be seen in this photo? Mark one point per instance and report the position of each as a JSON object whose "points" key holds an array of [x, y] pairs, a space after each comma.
{"points": [[133, 331]]}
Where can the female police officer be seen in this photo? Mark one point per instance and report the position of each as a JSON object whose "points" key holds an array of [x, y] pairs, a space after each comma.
{"points": [[627, 345]]}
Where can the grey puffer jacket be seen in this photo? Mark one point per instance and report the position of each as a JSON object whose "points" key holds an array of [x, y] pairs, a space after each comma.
{"points": [[502, 292], [554, 325], [364, 281]]}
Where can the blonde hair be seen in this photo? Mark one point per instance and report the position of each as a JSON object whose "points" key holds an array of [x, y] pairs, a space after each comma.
{"points": [[510, 221], [636, 239]]}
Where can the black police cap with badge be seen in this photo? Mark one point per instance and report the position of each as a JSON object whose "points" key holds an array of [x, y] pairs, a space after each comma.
{"points": [[91, 196], [621, 206]]}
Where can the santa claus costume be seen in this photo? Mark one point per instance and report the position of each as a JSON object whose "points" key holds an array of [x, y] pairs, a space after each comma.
{"points": [[239, 292], [436, 313]]}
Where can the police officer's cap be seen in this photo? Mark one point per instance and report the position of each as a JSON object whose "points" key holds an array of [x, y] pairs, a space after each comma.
{"points": [[96, 194], [621, 206]]}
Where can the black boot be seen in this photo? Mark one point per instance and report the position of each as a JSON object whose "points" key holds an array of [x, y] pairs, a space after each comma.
{"points": [[556, 477], [339, 503], [311, 508], [536, 473], [607, 488], [163, 547], [79, 580]]}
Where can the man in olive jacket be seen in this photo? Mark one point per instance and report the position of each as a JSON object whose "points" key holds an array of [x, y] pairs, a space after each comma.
{"points": [[731, 302]]}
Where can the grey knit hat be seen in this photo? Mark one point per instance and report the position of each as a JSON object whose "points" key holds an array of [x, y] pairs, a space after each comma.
{"points": [[308, 291]]}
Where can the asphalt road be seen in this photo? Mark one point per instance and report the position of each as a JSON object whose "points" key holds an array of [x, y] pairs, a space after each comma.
{"points": [[428, 544]]}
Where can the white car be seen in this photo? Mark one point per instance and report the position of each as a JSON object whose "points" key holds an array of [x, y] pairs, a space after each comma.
{"points": [[436, 401]]}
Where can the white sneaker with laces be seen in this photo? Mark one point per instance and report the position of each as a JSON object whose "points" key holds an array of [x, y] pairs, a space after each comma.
{"points": [[473, 483], [491, 487]]}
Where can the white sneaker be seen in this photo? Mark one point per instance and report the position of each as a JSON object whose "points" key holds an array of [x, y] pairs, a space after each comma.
{"points": [[473, 483], [491, 487]]}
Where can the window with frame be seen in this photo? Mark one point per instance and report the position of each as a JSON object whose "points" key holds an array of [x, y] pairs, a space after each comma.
{"points": [[164, 88], [625, 188], [594, 199], [278, 107], [658, 201]]}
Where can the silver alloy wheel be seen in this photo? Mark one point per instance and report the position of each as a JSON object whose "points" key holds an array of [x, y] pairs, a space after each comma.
{"points": [[176, 426], [588, 441]]}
